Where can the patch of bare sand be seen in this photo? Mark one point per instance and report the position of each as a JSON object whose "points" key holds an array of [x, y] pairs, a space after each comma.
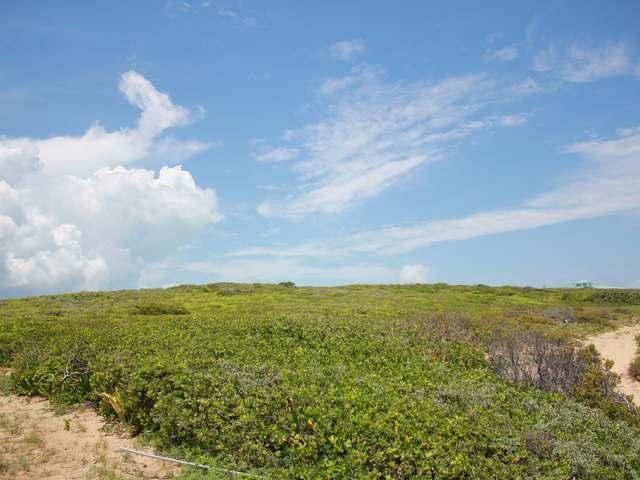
{"points": [[37, 443], [620, 346]]}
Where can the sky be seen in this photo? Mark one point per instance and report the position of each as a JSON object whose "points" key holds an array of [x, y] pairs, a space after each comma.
{"points": [[154, 143]]}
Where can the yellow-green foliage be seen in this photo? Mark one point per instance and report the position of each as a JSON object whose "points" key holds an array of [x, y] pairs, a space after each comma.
{"points": [[346, 382], [635, 366]]}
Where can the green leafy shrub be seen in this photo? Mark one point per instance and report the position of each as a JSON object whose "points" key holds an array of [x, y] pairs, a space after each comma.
{"points": [[352, 382], [634, 368], [627, 297], [159, 309]]}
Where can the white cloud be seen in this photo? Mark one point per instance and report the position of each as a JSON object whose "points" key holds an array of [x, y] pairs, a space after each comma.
{"points": [[102, 232], [544, 60], [348, 49], [276, 154], [359, 75], [175, 8], [373, 133], [225, 12], [414, 273], [97, 147], [281, 269], [310, 249], [64, 263], [504, 54], [268, 270], [512, 120], [17, 158], [527, 87], [608, 184], [493, 37], [76, 219], [581, 63]]}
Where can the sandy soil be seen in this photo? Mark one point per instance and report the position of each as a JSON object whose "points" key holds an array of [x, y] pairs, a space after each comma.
{"points": [[37, 443], [620, 346]]}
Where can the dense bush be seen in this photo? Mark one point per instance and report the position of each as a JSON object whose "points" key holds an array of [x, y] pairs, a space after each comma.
{"points": [[635, 365], [357, 382], [612, 295], [159, 309]]}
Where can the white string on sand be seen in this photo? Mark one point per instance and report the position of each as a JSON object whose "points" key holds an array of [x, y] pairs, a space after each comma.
{"points": [[191, 464]]}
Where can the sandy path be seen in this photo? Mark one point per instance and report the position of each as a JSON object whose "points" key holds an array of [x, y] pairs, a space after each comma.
{"points": [[620, 346], [37, 443]]}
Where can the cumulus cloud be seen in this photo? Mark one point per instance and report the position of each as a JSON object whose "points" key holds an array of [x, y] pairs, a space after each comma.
{"points": [[374, 132], [608, 183], [63, 263], [348, 49], [98, 147], [72, 215], [583, 63], [71, 232], [17, 158]]}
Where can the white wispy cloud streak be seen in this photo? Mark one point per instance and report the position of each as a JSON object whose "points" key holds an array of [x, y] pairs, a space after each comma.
{"points": [[608, 184], [291, 269], [374, 132], [504, 54], [275, 154], [348, 49], [581, 63]]}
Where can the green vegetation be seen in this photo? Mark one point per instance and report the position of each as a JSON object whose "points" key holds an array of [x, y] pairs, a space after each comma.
{"points": [[614, 295], [423, 381], [635, 366]]}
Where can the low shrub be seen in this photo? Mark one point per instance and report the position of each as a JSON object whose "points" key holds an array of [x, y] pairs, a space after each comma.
{"points": [[614, 295], [159, 309], [323, 383], [559, 314], [634, 368]]}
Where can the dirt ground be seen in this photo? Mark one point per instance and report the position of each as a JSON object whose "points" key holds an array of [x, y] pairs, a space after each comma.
{"points": [[37, 443], [620, 346]]}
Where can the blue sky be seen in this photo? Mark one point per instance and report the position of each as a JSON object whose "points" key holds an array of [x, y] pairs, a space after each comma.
{"points": [[147, 144]]}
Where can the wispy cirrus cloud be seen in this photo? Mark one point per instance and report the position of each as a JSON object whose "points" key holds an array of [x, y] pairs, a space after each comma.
{"points": [[300, 271], [582, 63], [268, 154], [608, 184], [175, 8], [348, 49], [373, 132], [504, 54]]}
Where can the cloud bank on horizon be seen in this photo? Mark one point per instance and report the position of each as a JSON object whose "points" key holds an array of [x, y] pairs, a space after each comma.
{"points": [[359, 181]]}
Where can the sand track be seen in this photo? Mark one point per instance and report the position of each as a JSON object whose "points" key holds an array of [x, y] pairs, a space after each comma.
{"points": [[37, 443], [620, 346]]}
